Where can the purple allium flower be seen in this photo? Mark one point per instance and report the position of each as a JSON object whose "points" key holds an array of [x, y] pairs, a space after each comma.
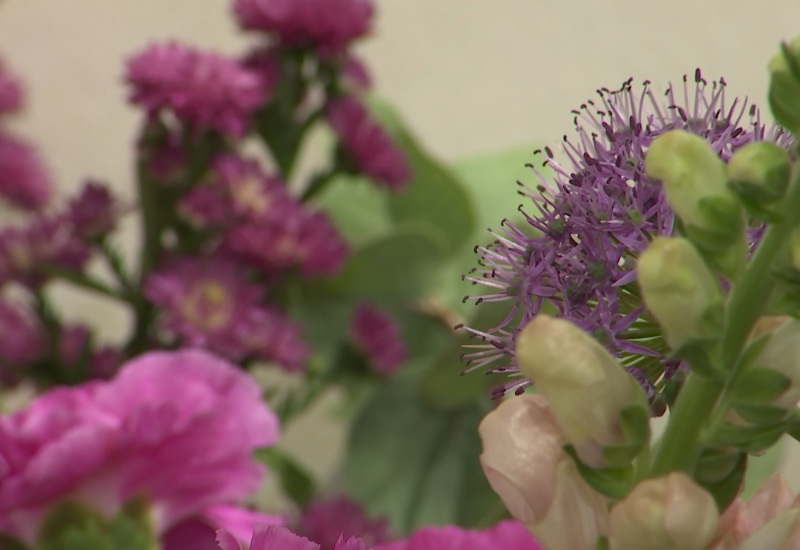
{"points": [[204, 302], [369, 147], [93, 212], [24, 181], [377, 336], [301, 238], [26, 251], [578, 249], [202, 88], [10, 91], [326, 521], [327, 25]]}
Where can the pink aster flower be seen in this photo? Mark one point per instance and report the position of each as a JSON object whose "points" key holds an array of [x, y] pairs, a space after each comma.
{"points": [[24, 251], [327, 25], [377, 336], [299, 239], [22, 340], [104, 443], [271, 336], [204, 302], [356, 74], [202, 88], [10, 91], [368, 145], [326, 521], [24, 182], [508, 535]]}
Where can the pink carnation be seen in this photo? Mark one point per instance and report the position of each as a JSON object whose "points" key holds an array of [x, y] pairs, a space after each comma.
{"points": [[325, 521], [10, 92], [271, 537], [24, 181], [202, 88], [508, 535], [327, 25], [178, 427], [378, 337], [22, 341], [369, 146]]}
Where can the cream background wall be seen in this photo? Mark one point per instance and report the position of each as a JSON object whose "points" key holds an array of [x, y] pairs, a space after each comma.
{"points": [[469, 76]]}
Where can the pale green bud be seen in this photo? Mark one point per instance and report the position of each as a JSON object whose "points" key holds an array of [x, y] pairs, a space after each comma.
{"points": [[784, 86], [668, 513], [586, 387], [696, 187], [679, 290], [760, 172]]}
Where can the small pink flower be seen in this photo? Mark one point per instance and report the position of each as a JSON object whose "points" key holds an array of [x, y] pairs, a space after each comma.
{"points": [[177, 427], [506, 535], [369, 146], [93, 212], [10, 92], [22, 340], [204, 302], [300, 239], [356, 74], [199, 532], [325, 521], [202, 88], [24, 182], [327, 25], [272, 336], [378, 337], [271, 537]]}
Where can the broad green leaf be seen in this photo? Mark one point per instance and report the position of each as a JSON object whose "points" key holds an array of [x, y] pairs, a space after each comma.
{"points": [[399, 265], [435, 195], [418, 464], [296, 481], [358, 208]]}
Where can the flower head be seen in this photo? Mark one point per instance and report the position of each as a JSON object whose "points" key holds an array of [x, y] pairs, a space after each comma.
{"points": [[368, 146], [24, 182], [22, 340], [93, 212], [326, 25], [10, 91], [103, 443], [325, 521], [201, 88], [508, 535], [588, 227], [378, 337]]}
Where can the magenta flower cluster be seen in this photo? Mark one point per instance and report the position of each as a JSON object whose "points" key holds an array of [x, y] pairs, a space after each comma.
{"points": [[103, 443], [577, 250]]}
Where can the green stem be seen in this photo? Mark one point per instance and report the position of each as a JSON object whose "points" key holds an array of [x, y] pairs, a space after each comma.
{"points": [[679, 446]]}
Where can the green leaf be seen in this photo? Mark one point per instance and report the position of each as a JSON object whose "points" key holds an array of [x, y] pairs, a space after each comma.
{"points": [[357, 207], [612, 482], [725, 490], [759, 385], [435, 196], [760, 414], [750, 439], [399, 265], [295, 480], [716, 464], [418, 464]]}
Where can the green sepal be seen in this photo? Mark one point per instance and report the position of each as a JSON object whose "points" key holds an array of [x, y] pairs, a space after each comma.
{"points": [[725, 490], [66, 516], [716, 464], [635, 425], [602, 543], [751, 439], [612, 482], [127, 532], [760, 414], [724, 223], [759, 385]]}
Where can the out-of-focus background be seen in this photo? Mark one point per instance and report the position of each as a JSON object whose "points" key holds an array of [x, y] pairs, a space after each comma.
{"points": [[469, 76]]}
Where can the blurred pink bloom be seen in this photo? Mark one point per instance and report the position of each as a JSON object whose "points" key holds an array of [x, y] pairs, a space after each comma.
{"points": [[271, 537], [44, 241], [299, 239], [177, 427], [378, 337], [265, 63], [356, 74], [73, 341], [272, 336], [506, 535], [199, 533], [22, 341], [202, 88], [93, 212], [327, 25], [204, 302], [204, 207], [24, 182], [10, 91], [326, 521], [369, 146]]}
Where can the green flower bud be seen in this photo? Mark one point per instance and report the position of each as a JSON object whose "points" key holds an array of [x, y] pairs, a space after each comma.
{"points": [[588, 390], [760, 172], [680, 291], [784, 86], [696, 187]]}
